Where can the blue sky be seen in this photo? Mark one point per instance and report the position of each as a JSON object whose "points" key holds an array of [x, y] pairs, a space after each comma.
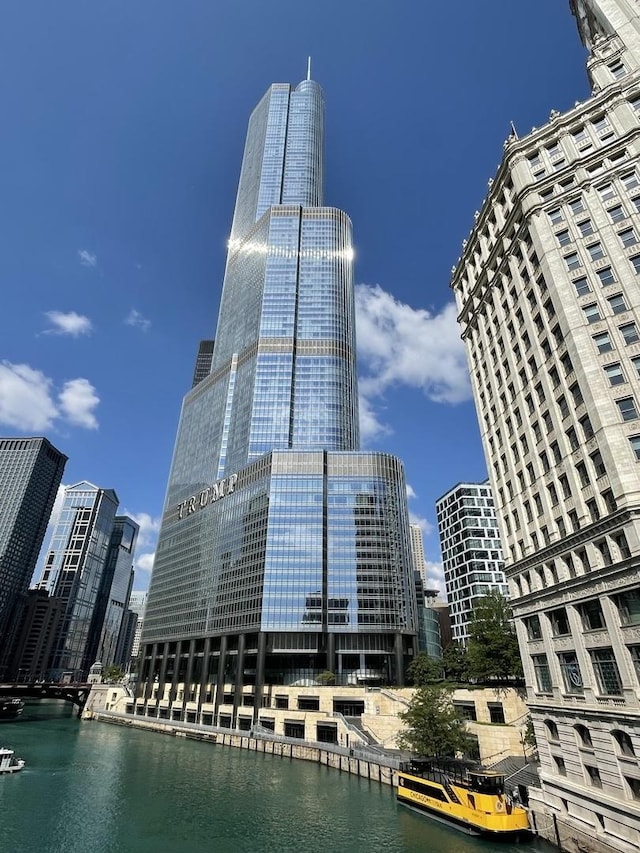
{"points": [[123, 127]]}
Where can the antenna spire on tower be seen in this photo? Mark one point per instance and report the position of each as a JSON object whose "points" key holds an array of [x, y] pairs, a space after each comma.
{"points": [[308, 68]]}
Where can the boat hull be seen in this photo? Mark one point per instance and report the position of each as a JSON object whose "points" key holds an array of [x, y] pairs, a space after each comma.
{"points": [[465, 826]]}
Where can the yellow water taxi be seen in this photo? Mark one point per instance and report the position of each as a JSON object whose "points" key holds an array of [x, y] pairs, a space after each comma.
{"points": [[472, 799]]}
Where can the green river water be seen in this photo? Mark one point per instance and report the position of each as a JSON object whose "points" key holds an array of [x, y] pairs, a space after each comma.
{"points": [[91, 787]]}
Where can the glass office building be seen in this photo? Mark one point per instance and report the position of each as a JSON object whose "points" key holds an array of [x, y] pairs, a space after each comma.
{"points": [[284, 552], [73, 571], [30, 473]]}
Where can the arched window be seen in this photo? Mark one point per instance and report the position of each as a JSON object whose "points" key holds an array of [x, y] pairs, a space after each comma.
{"points": [[584, 735], [624, 742], [552, 730]]}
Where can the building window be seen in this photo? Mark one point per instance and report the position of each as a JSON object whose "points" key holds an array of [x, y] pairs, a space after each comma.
{"points": [[593, 774], [532, 627], [591, 615], [595, 251], [606, 192], [561, 770], [559, 622], [636, 363], [627, 407], [598, 464], [592, 313], [496, 712], [634, 786], [602, 547], [467, 710], [617, 303], [584, 736], [576, 205], [628, 604], [625, 744], [634, 441], [610, 502], [582, 286], [294, 730], [571, 675], [563, 237], [542, 673], [592, 506], [581, 470], [617, 69], [603, 342], [635, 261], [630, 180], [614, 374], [572, 261], [616, 213], [551, 730], [606, 672], [585, 227], [630, 333], [556, 216], [606, 276], [628, 237]]}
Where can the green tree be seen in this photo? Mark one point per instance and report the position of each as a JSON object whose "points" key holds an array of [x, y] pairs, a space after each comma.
{"points": [[113, 673], [529, 735], [424, 669], [433, 726], [492, 650], [326, 678], [456, 665]]}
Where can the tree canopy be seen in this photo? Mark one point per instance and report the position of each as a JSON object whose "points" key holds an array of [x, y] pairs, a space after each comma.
{"points": [[425, 669], [492, 649], [433, 726], [454, 659]]}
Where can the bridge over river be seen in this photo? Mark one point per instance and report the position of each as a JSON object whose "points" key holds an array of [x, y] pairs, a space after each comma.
{"points": [[75, 693]]}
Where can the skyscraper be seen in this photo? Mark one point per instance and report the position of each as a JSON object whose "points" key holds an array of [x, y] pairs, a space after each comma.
{"points": [[30, 473], [547, 287], [73, 571], [283, 551], [113, 595], [471, 551]]}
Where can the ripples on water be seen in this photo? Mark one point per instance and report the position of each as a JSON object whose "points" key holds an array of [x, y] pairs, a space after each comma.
{"points": [[97, 788]]}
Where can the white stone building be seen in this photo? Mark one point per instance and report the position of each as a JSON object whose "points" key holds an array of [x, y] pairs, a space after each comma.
{"points": [[548, 290]]}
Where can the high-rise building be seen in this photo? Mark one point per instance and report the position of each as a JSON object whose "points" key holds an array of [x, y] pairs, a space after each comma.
{"points": [[417, 549], [115, 588], [547, 288], [471, 551], [30, 473], [283, 552], [203, 362], [138, 605], [73, 571]]}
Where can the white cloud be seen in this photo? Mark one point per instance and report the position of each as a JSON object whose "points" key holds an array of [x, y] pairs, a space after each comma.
{"points": [[25, 398], [77, 400], [135, 318], [401, 345], [435, 578], [68, 324], [87, 258], [144, 563], [410, 492], [149, 529], [423, 524]]}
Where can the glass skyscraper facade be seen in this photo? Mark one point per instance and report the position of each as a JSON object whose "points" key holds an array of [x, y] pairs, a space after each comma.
{"points": [[73, 572], [284, 552], [30, 473]]}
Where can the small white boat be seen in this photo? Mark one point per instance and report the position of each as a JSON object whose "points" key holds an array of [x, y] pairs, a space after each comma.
{"points": [[8, 762]]}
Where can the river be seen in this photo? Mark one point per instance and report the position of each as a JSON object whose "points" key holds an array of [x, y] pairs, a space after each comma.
{"points": [[92, 787]]}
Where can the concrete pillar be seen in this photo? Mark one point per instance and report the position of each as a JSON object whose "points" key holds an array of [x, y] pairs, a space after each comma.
{"points": [[237, 693], [260, 665], [203, 676], [220, 682]]}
